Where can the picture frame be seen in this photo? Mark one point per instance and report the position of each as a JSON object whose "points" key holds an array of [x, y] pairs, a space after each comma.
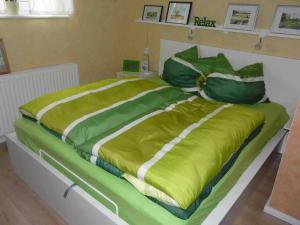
{"points": [[286, 20], [152, 13], [179, 12], [4, 65], [241, 17], [130, 65]]}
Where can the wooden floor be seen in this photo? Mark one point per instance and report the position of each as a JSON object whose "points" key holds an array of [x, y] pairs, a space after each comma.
{"points": [[20, 206]]}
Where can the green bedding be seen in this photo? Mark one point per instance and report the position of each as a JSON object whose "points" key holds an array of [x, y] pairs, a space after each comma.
{"points": [[134, 207], [173, 142]]}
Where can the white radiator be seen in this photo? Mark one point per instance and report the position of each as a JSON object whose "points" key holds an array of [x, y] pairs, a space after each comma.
{"points": [[21, 87]]}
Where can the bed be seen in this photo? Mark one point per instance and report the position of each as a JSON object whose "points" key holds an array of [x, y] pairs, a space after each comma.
{"points": [[115, 199]]}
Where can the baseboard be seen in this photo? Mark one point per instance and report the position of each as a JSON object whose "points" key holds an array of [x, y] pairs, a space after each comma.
{"points": [[2, 139], [280, 215]]}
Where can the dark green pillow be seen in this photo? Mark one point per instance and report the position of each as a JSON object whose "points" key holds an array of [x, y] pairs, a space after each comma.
{"points": [[181, 74], [245, 86], [186, 70], [222, 65], [206, 66], [189, 55]]}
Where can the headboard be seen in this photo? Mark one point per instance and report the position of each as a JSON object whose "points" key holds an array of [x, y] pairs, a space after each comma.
{"points": [[282, 75]]}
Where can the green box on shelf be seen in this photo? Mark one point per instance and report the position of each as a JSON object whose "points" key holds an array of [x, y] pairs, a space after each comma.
{"points": [[131, 65]]}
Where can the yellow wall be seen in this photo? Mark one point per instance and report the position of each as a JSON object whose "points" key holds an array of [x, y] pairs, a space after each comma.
{"points": [[102, 33], [89, 38]]}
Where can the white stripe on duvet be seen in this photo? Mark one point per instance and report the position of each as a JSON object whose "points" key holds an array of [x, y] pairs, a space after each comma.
{"points": [[235, 78], [193, 89], [79, 95], [93, 159], [168, 147], [265, 98], [187, 64], [97, 146], [205, 96], [172, 202], [150, 190], [87, 116]]}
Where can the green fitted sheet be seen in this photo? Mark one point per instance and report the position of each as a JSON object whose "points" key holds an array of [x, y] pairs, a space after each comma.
{"points": [[135, 208]]}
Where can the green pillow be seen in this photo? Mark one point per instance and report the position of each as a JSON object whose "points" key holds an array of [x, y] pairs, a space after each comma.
{"points": [[189, 55], [245, 86], [187, 71], [206, 66], [181, 74], [222, 65]]}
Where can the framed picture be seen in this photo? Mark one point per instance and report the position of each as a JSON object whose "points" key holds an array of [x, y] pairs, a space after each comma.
{"points": [[4, 66], [131, 65], [179, 12], [241, 17], [152, 13], [287, 20]]}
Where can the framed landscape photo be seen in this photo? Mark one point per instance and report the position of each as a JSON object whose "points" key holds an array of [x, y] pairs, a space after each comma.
{"points": [[241, 17], [287, 20], [179, 12], [4, 66], [152, 13]]}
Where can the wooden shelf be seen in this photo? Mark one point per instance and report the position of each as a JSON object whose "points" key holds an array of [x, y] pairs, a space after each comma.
{"points": [[258, 32]]}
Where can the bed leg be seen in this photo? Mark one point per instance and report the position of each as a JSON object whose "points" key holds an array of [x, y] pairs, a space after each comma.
{"points": [[282, 144]]}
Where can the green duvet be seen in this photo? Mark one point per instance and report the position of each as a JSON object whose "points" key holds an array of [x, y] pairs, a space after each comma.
{"points": [[170, 141]]}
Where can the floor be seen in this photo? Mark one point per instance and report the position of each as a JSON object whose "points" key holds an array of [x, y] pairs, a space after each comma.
{"points": [[20, 206]]}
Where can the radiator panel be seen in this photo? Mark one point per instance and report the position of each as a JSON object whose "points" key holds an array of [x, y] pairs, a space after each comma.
{"points": [[21, 87]]}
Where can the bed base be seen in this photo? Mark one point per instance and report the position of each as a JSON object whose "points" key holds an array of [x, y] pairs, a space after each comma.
{"points": [[77, 208], [80, 208]]}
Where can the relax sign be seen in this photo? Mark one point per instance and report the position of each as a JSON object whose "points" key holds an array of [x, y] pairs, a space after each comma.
{"points": [[204, 22]]}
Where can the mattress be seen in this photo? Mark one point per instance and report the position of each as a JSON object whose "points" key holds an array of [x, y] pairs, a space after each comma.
{"points": [[133, 206]]}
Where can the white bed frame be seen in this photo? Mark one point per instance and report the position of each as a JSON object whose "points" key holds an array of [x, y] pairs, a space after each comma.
{"points": [[50, 184]]}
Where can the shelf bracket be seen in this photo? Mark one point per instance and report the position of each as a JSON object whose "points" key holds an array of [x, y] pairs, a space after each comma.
{"points": [[191, 33]]}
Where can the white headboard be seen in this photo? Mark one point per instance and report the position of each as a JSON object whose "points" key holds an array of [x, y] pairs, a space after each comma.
{"points": [[282, 75]]}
